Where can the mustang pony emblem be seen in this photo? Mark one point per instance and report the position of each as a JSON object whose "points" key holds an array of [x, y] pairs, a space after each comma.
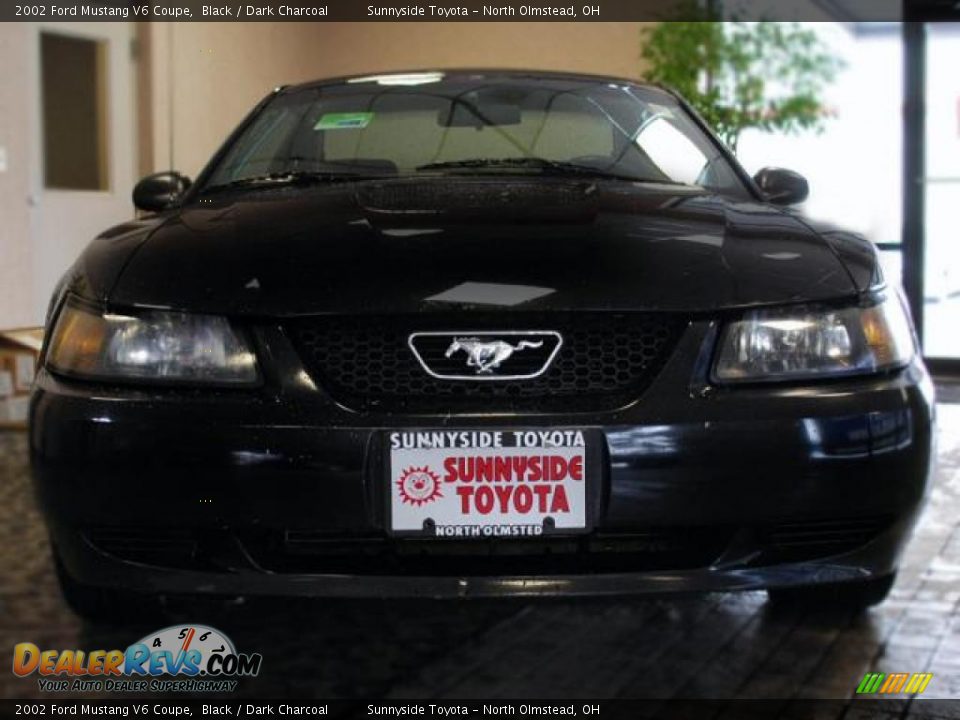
{"points": [[487, 356]]}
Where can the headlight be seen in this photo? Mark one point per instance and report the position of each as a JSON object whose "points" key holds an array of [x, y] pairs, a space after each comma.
{"points": [[806, 343], [151, 346]]}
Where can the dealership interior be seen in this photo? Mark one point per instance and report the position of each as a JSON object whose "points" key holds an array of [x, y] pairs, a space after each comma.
{"points": [[154, 96]]}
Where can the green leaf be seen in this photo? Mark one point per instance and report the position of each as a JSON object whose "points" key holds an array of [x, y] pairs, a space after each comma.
{"points": [[738, 75]]}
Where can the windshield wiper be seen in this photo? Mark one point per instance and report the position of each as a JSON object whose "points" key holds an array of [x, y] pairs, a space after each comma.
{"points": [[540, 165], [292, 177]]}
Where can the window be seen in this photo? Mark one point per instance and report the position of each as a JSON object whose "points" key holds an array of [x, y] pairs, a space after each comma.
{"points": [[673, 152], [487, 125], [73, 91]]}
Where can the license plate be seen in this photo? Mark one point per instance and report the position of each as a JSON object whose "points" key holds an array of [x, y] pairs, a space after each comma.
{"points": [[476, 484]]}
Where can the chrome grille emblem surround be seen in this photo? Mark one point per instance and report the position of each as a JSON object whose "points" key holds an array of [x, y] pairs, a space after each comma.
{"points": [[485, 354]]}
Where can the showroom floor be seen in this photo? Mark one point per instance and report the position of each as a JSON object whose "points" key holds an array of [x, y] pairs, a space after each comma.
{"points": [[716, 646]]}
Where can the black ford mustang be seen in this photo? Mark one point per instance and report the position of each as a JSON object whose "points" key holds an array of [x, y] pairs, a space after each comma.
{"points": [[477, 333]]}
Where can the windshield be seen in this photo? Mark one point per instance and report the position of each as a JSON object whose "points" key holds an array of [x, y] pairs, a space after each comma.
{"points": [[474, 125]]}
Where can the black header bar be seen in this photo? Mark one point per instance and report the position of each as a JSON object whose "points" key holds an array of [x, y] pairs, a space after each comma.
{"points": [[220, 707], [472, 10]]}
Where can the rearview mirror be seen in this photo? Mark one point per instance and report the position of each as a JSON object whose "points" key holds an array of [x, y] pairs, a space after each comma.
{"points": [[782, 187], [160, 191], [467, 114]]}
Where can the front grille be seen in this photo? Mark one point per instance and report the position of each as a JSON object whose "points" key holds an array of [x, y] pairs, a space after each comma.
{"points": [[807, 540], [288, 550], [641, 550], [163, 546], [605, 361]]}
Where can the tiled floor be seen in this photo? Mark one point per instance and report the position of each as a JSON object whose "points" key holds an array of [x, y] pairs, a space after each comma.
{"points": [[716, 646]]}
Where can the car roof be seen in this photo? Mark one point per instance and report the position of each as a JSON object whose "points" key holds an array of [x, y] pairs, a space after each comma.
{"points": [[473, 73]]}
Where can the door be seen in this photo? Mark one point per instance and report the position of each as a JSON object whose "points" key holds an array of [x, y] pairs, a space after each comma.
{"points": [[83, 150], [941, 267]]}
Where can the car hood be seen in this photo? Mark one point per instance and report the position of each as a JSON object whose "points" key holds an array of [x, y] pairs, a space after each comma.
{"points": [[438, 244]]}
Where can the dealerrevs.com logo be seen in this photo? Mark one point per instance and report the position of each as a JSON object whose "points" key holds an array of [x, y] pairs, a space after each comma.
{"points": [[179, 658]]}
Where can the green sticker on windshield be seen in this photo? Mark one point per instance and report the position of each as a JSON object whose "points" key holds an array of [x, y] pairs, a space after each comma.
{"points": [[343, 121]]}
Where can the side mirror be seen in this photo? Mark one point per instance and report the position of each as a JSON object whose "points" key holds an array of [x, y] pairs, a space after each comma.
{"points": [[160, 191], [782, 187]]}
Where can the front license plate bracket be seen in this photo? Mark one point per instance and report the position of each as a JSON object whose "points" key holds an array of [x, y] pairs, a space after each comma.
{"points": [[489, 484]]}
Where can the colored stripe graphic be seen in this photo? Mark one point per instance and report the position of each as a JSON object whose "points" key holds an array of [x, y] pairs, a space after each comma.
{"points": [[894, 683], [918, 683], [870, 683]]}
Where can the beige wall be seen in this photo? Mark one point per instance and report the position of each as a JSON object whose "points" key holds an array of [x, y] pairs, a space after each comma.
{"points": [[221, 69], [16, 258]]}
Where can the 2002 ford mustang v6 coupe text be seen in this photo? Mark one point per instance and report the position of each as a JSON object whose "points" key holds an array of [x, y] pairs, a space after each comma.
{"points": [[477, 333]]}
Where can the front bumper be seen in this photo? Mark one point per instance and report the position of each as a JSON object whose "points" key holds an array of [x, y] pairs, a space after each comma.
{"points": [[280, 491]]}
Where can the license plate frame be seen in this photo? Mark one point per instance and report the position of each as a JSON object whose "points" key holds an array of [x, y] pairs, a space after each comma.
{"points": [[581, 496]]}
